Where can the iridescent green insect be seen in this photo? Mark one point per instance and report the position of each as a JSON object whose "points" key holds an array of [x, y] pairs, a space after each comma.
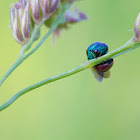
{"points": [[101, 70]]}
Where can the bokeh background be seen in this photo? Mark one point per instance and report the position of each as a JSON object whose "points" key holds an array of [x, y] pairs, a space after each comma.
{"points": [[77, 107]]}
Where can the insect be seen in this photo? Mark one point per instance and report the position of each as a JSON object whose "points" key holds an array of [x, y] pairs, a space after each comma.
{"points": [[101, 70]]}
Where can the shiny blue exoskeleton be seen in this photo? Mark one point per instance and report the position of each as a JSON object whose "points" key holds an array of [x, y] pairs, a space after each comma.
{"points": [[96, 49], [101, 70]]}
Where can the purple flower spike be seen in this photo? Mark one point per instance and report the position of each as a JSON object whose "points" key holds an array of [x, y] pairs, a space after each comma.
{"points": [[74, 16], [35, 10], [137, 28], [20, 25], [48, 7], [42, 9], [70, 17]]}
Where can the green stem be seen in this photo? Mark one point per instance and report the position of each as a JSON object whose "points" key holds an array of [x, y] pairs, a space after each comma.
{"points": [[130, 45], [10, 70], [22, 57]]}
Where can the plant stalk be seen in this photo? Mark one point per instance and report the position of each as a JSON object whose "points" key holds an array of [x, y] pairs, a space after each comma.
{"points": [[22, 56], [130, 45]]}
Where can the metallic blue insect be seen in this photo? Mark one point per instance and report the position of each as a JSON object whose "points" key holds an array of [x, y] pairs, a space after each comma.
{"points": [[101, 70]]}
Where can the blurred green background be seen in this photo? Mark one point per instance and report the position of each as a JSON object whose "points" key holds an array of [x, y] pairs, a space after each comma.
{"points": [[77, 107]]}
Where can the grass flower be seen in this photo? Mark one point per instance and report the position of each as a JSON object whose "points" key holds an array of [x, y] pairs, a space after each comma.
{"points": [[42, 9], [70, 17], [20, 22], [137, 28]]}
